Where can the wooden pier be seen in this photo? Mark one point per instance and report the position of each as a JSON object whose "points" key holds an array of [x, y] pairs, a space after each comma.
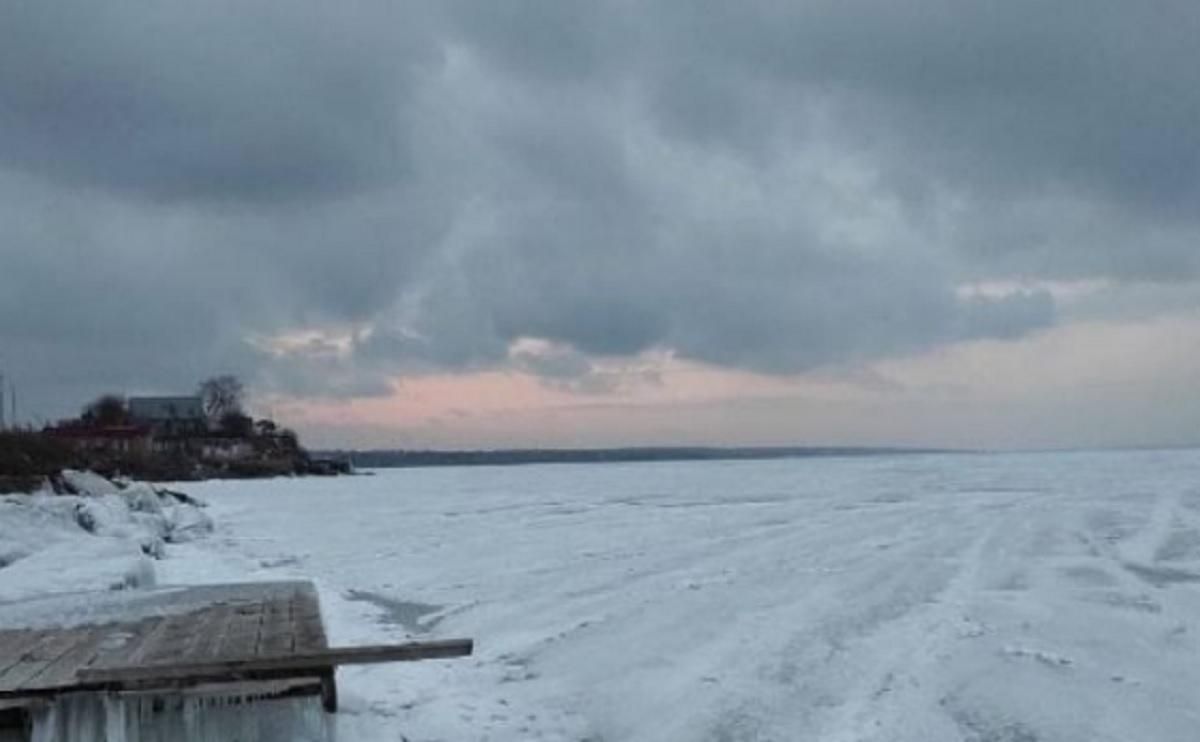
{"points": [[267, 636]]}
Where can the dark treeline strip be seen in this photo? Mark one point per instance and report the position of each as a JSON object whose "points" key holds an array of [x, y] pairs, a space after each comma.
{"points": [[383, 459]]}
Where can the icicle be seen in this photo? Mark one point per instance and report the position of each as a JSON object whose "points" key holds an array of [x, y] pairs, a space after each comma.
{"points": [[74, 718], [115, 726], [95, 718]]}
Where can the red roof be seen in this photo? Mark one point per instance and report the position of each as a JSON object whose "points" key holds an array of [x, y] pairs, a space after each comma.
{"points": [[109, 431]]}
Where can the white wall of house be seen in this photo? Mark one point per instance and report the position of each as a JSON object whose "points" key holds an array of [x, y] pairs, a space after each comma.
{"points": [[226, 450]]}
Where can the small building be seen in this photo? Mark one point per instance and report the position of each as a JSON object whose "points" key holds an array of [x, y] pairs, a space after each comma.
{"points": [[169, 415]]}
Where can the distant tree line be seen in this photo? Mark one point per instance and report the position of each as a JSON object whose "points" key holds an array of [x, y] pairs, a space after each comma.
{"points": [[383, 459]]}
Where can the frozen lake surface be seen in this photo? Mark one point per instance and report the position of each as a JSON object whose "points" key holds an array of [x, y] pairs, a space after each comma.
{"points": [[986, 598]]}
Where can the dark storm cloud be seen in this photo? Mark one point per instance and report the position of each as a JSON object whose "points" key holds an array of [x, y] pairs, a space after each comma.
{"points": [[216, 100], [767, 185], [1097, 94]]}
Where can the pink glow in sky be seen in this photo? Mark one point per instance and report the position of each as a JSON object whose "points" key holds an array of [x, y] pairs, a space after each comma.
{"points": [[1096, 382]]}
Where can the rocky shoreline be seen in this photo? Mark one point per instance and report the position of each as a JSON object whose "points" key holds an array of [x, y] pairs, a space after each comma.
{"points": [[109, 533], [31, 461]]}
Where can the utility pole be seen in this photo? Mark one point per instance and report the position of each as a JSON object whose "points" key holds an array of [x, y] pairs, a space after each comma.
{"points": [[2, 422]]}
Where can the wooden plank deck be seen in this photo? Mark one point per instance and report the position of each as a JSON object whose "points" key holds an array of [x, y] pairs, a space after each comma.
{"points": [[205, 635]]}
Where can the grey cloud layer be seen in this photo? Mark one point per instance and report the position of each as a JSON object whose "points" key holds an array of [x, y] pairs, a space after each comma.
{"points": [[219, 100], [767, 185]]}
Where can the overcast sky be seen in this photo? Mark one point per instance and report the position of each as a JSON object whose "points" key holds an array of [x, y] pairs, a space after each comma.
{"points": [[476, 223]]}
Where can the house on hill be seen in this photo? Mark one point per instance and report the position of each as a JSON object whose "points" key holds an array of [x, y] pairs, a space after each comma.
{"points": [[169, 416], [173, 437]]}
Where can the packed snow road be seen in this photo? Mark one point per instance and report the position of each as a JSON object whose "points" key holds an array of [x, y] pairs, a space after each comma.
{"points": [[923, 598]]}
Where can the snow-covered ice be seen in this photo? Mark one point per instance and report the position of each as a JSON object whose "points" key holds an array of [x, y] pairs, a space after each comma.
{"points": [[923, 598], [974, 597]]}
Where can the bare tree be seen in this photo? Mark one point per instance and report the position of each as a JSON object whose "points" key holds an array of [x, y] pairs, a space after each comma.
{"points": [[106, 410], [221, 396], [290, 441], [237, 424]]}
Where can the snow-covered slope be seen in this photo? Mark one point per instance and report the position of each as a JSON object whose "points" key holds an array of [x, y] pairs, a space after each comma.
{"points": [[1000, 597]]}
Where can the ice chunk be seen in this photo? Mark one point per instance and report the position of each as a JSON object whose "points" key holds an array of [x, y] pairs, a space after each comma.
{"points": [[88, 483], [109, 515], [142, 498], [186, 523]]}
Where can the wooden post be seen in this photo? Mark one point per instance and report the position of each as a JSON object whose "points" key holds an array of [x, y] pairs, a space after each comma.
{"points": [[329, 698]]}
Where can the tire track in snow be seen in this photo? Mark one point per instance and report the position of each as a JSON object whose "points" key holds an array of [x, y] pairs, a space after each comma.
{"points": [[908, 656], [867, 639]]}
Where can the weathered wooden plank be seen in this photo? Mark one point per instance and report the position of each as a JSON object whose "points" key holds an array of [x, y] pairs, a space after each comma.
{"points": [[276, 634], [61, 672], [20, 656], [32, 677], [249, 668], [48, 648], [210, 628], [171, 642], [13, 644], [134, 649], [9, 705], [309, 630], [240, 636], [120, 640], [248, 689]]}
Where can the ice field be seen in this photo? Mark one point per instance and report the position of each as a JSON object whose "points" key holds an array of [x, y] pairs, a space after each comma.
{"points": [[996, 597]]}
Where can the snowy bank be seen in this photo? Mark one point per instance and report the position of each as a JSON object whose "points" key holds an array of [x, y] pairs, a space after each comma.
{"points": [[104, 536]]}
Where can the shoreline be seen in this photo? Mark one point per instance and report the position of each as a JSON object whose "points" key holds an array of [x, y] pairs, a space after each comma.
{"points": [[403, 459]]}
